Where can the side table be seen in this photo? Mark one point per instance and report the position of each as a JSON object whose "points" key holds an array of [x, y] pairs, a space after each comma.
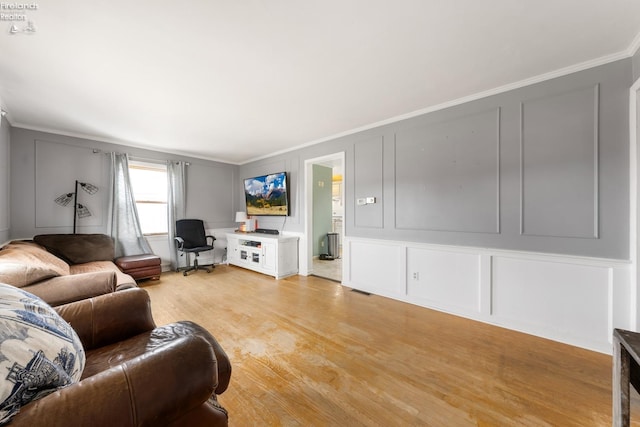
{"points": [[626, 372]]}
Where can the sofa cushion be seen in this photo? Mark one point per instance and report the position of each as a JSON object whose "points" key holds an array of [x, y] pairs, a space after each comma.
{"points": [[24, 263], [39, 351], [123, 281], [78, 248], [74, 287]]}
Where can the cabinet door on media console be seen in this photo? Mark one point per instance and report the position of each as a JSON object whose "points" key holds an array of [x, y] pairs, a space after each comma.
{"points": [[269, 256], [233, 254]]}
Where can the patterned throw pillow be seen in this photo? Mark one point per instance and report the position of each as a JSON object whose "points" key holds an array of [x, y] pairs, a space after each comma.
{"points": [[39, 351]]}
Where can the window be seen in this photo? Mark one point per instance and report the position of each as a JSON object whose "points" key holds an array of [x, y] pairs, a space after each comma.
{"points": [[149, 185]]}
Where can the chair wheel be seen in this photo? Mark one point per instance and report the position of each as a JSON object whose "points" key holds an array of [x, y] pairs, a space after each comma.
{"points": [[184, 273]]}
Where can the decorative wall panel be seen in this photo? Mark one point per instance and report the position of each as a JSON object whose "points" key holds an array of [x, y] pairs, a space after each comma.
{"points": [[570, 301], [559, 165], [448, 175], [449, 280], [368, 181], [58, 166], [376, 268]]}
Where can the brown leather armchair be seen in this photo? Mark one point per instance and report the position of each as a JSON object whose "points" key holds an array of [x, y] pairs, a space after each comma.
{"points": [[136, 374]]}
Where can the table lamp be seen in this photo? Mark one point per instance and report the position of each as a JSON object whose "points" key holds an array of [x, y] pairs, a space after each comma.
{"points": [[242, 218]]}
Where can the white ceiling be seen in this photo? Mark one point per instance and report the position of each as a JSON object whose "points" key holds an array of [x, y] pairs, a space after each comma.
{"points": [[239, 80]]}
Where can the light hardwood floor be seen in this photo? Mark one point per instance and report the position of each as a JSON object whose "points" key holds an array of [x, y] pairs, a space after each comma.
{"points": [[309, 352]]}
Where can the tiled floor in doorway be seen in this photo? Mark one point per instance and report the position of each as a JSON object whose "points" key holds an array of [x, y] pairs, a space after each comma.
{"points": [[328, 269]]}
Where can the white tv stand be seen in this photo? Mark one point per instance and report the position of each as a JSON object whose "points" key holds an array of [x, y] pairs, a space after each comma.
{"points": [[275, 255]]}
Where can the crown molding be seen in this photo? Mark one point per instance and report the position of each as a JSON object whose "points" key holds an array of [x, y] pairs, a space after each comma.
{"points": [[117, 142], [7, 115], [495, 91], [634, 46]]}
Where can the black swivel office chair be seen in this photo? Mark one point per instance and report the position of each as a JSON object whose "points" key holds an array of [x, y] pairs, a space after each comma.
{"points": [[191, 239]]}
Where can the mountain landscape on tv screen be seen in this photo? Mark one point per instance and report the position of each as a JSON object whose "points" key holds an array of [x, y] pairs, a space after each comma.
{"points": [[266, 195]]}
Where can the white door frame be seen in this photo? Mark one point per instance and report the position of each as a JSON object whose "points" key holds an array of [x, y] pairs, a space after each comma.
{"points": [[306, 248], [634, 186]]}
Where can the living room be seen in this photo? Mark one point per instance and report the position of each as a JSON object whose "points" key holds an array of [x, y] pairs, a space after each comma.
{"points": [[512, 204]]}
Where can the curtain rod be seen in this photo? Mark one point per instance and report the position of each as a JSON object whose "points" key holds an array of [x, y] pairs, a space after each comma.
{"points": [[138, 158]]}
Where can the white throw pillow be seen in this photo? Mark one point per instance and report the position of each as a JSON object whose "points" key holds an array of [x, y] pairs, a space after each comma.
{"points": [[39, 351]]}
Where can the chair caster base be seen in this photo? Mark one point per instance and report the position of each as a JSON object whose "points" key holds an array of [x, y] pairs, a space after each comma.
{"points": [[196, 268]]}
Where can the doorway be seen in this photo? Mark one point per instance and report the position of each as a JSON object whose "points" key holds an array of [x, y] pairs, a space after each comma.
{"points": [[324, 177]]}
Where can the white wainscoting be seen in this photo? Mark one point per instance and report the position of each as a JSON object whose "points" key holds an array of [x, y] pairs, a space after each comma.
{"points": [[574, 300], [378, 267], [445, 280], [219, 253], [160, 246]]}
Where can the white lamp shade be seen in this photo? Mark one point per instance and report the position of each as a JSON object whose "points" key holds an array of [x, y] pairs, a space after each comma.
{"points": [[241, 216]]}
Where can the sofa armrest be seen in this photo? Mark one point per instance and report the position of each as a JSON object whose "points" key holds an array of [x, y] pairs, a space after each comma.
{"points": [[147, 390], [224, 364], [65, 289], [109, 318]]}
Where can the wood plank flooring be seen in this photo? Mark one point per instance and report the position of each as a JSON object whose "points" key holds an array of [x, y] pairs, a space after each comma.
{"points": [[310, 352]]}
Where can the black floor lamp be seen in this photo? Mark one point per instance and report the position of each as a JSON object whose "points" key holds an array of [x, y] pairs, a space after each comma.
{"points": [[79, 211]]}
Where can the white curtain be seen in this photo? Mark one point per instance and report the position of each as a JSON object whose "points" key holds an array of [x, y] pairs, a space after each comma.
{"points": [[176, 204], [123, 222]]}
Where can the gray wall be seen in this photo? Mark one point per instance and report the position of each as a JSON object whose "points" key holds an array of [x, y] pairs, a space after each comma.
{"points": [[543, 168], [44, 165], [322, 190], [4, 180], [289, 164]]}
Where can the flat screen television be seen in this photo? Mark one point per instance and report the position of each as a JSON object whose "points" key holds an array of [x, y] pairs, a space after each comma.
{"points": [[267, 195]]}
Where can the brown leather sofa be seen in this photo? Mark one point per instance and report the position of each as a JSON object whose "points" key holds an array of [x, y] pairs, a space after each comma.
{"points": [[86, 253], [136, 374], [61, 268]]}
